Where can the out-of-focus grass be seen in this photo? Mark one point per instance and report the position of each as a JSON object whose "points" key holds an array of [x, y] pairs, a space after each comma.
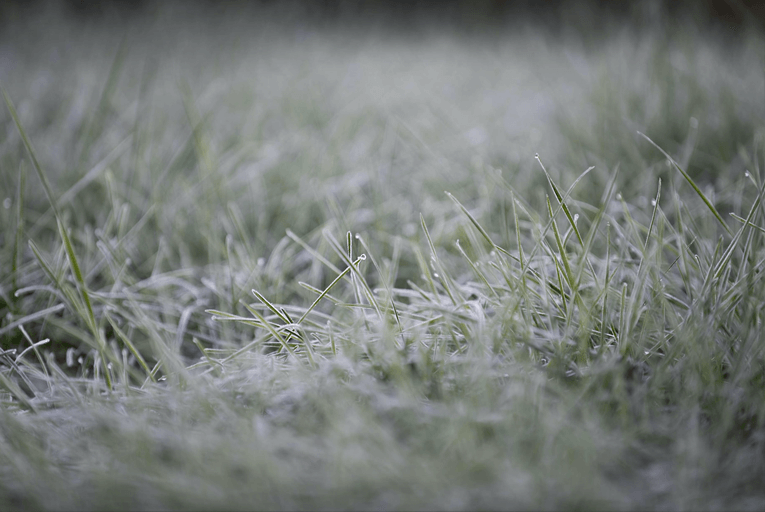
{"points": [[519, 343]]}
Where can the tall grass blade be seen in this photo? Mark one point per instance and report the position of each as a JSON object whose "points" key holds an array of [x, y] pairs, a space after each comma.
{"points": [[691, 183]]}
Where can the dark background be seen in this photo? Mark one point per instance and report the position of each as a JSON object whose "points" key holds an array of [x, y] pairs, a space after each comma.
{"points": [[729, 16]]}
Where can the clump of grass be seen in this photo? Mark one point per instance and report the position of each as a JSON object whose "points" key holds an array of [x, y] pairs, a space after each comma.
{"points": [[199, 322]]}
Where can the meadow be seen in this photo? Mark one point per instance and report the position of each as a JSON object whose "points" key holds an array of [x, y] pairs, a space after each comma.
{"points": [[268, 264]]}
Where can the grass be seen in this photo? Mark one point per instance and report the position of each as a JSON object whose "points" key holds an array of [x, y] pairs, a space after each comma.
{"points": [[242, 286]]}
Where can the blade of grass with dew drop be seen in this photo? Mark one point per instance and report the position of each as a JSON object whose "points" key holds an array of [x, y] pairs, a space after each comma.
{"points": [[691, 183], [354, 268]]}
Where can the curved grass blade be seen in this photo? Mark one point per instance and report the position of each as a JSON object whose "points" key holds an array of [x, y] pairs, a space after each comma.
{"points": [[692, 184]]}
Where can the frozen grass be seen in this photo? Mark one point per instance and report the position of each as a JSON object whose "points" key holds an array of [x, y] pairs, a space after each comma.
{"points": [[244, 287]]}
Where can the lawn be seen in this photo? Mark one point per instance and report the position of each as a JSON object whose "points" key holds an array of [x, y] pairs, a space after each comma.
{"points": [[251, 261]]}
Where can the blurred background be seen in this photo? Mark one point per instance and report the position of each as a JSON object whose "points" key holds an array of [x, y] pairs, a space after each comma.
{"points": [[558, 14]]}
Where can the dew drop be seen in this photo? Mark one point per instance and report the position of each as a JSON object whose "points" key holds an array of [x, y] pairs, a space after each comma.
{"points": [[162, 379], [435, 274], [653, 202], [536, 155], [619, 196], [109, 366], [261, 262], [357, 237], [362, 257], [576, 217], [7, 203], [746, 174]]}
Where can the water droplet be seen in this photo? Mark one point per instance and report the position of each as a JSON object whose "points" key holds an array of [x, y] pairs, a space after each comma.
{"points": [[746, 174], [162, 379], [109, 366], [357, 237], [362, 257], [493, 253], [7, 203], [619, 196], [576, 217], [435, 274], [653, 202], [536, 155], [261, 262]]}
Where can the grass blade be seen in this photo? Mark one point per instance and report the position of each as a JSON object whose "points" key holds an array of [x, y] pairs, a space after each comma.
{"points": [[692, 184]]}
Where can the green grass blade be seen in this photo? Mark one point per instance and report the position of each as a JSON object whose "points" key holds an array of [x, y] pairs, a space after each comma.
{"points": [[692, 184], [20, 192], [472, 220], [354, 268], [126, 340], [436, 260], [31, 153], [653, 214], [270, 306], [271, 330]]}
